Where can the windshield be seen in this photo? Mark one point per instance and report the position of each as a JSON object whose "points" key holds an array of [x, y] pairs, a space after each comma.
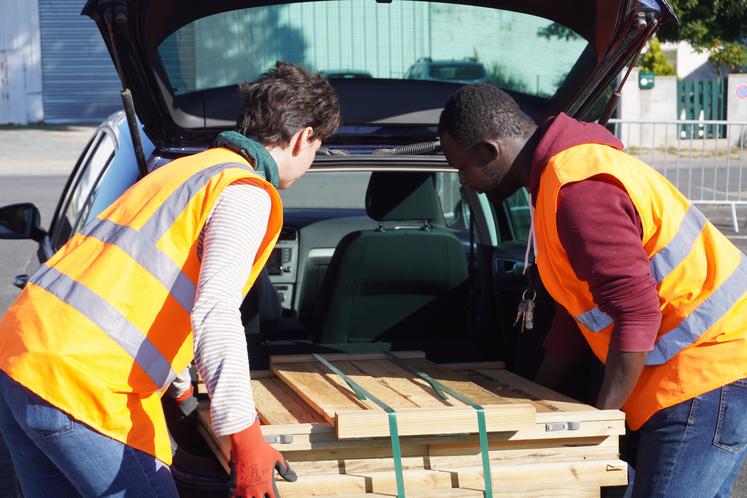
{"points": [[367, 39], [347, 190]]}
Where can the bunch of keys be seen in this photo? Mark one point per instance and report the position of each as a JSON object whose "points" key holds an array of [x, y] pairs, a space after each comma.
{"points": [[525, 313]]}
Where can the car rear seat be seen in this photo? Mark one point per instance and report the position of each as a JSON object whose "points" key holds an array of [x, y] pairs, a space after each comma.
{"points": [[403, 285]]}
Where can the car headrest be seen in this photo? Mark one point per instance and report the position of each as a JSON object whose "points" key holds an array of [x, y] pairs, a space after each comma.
{"points": [[398, 196]]}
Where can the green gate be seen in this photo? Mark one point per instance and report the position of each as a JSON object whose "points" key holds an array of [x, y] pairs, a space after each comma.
{"points": [[702, 100]]}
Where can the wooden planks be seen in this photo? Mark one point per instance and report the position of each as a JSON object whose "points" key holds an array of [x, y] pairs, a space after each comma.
{"points": [[594, 473], [341, 446], [321, 390], [276, 404], [420, 410], [427, 421], [321, 485]]}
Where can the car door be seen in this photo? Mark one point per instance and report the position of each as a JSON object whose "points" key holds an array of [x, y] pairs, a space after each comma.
{"points": [[76, 199], [498, 281]]}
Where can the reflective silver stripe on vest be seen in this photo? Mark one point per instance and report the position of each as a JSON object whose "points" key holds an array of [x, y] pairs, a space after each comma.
{"points": [[111, 321], [140, 244], [702, 318], [669, 257], [169, 211], [148, 256], [595, 319], [660, 265]]}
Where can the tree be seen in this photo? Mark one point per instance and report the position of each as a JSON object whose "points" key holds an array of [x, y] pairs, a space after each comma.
{"points": [[501, 79], [715, 26], [655, 60], [731, 55], [555, 30]]}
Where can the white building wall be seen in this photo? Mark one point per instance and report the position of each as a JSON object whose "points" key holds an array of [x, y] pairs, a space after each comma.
{"points": [[656, 104], [20, 62], [689, 63]]}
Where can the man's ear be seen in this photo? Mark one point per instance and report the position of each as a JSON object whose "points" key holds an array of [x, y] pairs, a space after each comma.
{"points": [[486, 151], [301, 139]]}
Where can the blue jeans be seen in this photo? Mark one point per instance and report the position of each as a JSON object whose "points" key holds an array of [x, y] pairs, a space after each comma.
{"points": [[695, 448], [55, 455]]}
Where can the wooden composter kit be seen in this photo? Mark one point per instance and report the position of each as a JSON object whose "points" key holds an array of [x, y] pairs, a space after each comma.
{"points": [[535, 442]]}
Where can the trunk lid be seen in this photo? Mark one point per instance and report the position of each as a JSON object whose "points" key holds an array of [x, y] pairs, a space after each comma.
{"points": [[183, 59]]}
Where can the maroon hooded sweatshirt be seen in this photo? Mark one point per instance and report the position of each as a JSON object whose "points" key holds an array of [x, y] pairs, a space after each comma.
{"points": [[602, 233]]}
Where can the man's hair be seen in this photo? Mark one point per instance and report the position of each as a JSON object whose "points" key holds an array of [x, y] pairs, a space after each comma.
{"points": [[284, 100], [476, 113]]}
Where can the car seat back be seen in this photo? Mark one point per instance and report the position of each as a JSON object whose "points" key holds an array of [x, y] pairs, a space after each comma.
{"points": [[403, 283]]}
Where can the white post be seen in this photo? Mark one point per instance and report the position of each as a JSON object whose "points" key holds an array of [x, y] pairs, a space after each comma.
{"points": [[630, 110]]}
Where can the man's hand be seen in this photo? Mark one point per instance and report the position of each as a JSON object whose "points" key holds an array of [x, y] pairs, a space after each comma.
{"points": [[253, 462], [621, 373]]}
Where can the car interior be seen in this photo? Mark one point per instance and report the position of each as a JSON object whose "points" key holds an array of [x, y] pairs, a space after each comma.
{"points": [[394, 277], [405, 270]]}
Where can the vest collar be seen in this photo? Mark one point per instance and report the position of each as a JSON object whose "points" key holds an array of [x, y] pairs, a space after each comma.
{"points": [[562, 132], [252, 151]]}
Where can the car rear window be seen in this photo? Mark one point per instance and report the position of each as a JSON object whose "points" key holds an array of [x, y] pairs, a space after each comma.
{"points": [[457, 72], [364, 38]]}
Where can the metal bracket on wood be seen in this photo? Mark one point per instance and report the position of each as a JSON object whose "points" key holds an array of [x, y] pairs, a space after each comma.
{"points": [[562, 426], [280, 438]]}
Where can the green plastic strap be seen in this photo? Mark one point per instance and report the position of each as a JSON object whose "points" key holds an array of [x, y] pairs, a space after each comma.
{"points": [[440, 388], [391, 415]]}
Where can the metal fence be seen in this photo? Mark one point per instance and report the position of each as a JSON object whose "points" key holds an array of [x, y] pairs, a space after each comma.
{"points": [[705, 168]]}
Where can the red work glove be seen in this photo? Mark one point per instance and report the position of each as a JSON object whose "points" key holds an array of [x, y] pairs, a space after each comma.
{"points": [[253, 462]]}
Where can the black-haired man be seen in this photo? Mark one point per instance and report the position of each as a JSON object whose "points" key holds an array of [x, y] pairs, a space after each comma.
{"points": [[103, 327], [655, 290]]}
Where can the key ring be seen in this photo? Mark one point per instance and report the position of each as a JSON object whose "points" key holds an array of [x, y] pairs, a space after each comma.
{"points": [[524, 295]]}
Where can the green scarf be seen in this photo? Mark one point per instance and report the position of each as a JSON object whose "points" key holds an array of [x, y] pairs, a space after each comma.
{"points": [[253, 151]]}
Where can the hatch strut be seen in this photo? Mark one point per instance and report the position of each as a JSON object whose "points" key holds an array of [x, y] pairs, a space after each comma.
{"points": [[126, 94], [641, 23]]}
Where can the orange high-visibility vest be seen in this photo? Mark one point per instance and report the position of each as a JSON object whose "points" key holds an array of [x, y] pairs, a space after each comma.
{"points": [[701, 279], [103, 327]]}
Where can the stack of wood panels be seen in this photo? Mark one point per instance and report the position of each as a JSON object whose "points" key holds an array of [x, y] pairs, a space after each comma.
{"points": [[541, 444]]}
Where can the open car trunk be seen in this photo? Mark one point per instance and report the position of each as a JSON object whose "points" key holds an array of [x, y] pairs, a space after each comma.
{"points": [[183, 61], [537, 442]]}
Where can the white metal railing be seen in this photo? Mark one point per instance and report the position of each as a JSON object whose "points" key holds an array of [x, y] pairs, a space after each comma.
{"points": [[705, 160]]}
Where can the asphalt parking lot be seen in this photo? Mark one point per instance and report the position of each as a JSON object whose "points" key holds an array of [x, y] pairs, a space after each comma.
{"points": [[34, 164]]}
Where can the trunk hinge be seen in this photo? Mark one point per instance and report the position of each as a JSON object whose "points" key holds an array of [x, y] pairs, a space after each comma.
{"points": [[643, 21], [120, 18]]}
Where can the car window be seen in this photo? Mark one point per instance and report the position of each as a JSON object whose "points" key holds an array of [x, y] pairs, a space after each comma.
{"points": [[347, 190], [455, 214], [384, 39], [328, 189], [74, 211], [516, 208]]}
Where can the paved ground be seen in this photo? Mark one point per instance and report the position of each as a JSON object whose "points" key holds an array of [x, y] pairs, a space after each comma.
{"points": [[34, 164]]}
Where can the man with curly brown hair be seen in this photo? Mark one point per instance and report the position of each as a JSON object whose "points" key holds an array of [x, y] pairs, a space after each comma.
{"points": [[156, 280]]}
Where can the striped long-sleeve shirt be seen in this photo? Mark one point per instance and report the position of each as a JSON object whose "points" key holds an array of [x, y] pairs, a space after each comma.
{"points": [[228, 245]]}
